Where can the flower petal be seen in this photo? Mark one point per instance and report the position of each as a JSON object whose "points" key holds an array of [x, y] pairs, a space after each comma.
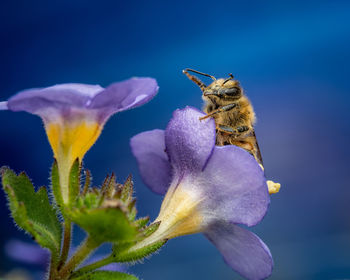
{"points": [[149, 149], [189, 141], [242, 250], [3, 105], [26, 252], [234, 187], [58, 96], [125, 95]]}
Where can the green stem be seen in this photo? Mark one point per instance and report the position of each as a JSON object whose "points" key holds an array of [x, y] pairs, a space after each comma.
{"points": [[93, 266], [53, 268], [81, 254], [66, 242]]}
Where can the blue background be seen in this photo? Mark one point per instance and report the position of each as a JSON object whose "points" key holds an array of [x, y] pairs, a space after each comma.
{"points": [[292, 58]]}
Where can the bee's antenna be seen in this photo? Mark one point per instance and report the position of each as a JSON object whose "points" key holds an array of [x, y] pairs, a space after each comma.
{"points": [[231, 78], [201, 73], [194, 79]]}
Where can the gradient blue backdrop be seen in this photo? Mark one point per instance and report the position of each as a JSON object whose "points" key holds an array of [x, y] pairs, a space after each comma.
{"points": [[292, 58]]}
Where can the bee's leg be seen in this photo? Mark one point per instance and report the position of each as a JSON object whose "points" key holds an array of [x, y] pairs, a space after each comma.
{"points": [[226, 129], [219, 110], [242, 128], [221, 140], [231, 130]]}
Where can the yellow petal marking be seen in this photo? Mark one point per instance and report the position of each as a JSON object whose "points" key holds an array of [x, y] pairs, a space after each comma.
{"points": [[70, 140], [178, 217]]}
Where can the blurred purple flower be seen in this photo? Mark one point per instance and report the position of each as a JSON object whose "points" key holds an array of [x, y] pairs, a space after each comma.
{"points": [[33, 254], [26, 252], [208, 189], [74, 114]]}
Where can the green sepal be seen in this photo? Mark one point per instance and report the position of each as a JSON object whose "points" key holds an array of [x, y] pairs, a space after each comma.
{"points": [[55, 185], [131, 255], [127, 190], [142, 222], [90, 200], [31, 210], [104, 215], [132, 212], [108, 187], [87, 182], [74, 181], [105, 224], [106, 275], [74, 184], [147, 231]]}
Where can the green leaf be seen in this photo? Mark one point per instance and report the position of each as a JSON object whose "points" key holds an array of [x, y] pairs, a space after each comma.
{"points": [[132, 255], [106, 275], [32, 210]]}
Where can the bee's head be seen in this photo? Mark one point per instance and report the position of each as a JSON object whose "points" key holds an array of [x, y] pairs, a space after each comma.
{"points": [[228, 89]]}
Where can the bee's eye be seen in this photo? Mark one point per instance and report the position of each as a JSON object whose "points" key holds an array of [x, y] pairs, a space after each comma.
{"points": [[231, 91]]}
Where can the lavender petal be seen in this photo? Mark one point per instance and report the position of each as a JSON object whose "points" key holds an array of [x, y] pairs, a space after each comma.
{"points": [[242, 250], [125, 95], [189, 141], [234, 186], [27, 252], [149, 150], [3, 105], [59, 97]]}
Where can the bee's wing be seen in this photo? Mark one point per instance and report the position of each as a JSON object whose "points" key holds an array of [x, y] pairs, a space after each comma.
{"points": [[257, 149]]}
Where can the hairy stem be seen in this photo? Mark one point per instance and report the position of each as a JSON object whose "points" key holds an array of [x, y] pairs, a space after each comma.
{"points": [[87, 247], [66, 242], [93, 266], [53, 268]]}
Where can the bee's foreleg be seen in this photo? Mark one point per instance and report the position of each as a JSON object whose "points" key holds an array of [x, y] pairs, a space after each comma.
{"points": [[219, 110]]}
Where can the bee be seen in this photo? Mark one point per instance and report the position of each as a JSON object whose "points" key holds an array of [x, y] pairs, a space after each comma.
{"points": [[233, 113]]}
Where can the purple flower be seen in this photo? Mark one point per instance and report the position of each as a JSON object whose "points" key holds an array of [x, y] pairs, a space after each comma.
{"points": [[207, 189], [33, 254], [27, 252], [74, 114]]}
